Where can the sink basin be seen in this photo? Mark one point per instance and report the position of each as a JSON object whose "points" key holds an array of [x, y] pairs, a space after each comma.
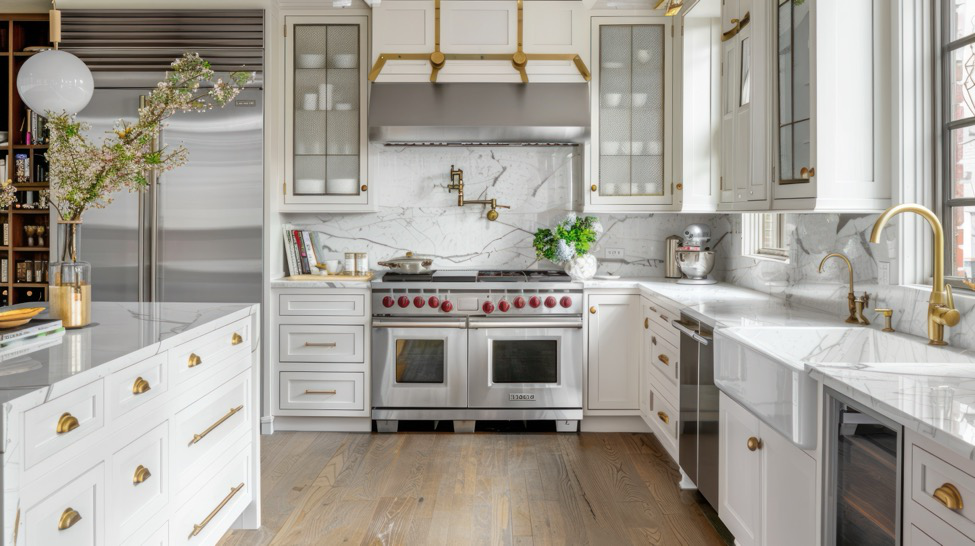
{"points": [[764, 368]]}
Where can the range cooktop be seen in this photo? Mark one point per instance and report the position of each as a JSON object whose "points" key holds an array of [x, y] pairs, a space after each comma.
{"points": [[541, 275]]}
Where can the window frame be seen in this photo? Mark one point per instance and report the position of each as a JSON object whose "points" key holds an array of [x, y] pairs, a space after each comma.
{"points": [[752, 229]]}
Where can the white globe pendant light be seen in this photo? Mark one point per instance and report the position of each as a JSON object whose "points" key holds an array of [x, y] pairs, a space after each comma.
{"points": [[55, 80]]}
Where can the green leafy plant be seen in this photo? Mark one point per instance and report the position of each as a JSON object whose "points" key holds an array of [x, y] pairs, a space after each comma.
{"points": [[572, 237]]}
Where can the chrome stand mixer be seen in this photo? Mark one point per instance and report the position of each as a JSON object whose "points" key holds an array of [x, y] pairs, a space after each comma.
{"points": [[695, 257]]}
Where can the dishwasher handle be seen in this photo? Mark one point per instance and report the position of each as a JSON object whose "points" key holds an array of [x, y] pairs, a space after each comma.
{"points": [[686, 329]]}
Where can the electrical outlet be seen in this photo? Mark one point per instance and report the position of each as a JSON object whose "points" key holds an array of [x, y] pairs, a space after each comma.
{"points": [[614, 253], [883, 273]]}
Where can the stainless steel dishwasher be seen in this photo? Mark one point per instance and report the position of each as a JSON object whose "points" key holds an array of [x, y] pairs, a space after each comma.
{"points": [[698, 425]]}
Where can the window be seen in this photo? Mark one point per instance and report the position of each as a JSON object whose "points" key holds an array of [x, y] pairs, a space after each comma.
{"points": [[763, 236], [957, 193]]}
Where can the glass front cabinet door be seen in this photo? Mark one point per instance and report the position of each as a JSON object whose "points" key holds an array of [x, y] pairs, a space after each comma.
{"points": [[794, 99], [631, 154], [325, 114]]}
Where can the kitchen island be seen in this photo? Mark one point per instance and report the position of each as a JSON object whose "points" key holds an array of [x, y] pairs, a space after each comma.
{"points": [[139, 428]]}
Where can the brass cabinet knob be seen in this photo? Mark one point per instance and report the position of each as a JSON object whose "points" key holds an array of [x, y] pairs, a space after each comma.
{"points": [[67, 423], [68, 518], [236, 339], [593, 187], [680, 186], [194, 360], [662, 415], [646, 324], [364, 187], [140, 386], [753, 444], [806, 173], [664, 359], [592, 310], [141, 474], [949, 496]]}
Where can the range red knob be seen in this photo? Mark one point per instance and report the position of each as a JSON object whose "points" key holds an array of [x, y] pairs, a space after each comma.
{"points": [[404, 301], [446, 306], [503, 305], [419, 301], [551, 302], [434, 301], [566, 302], [534, 301], [388, 301], [487, 307], [519, 302]]}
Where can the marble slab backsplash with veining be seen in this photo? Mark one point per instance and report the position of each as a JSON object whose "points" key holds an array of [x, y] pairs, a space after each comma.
{"points": [[416, 212], [812, 236]]}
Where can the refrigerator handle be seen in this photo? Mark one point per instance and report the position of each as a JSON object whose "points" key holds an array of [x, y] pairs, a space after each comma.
{"points": [[148, 240]]}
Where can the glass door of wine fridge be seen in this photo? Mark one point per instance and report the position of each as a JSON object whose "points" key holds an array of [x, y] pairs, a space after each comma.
{"points": [[863, 475]]}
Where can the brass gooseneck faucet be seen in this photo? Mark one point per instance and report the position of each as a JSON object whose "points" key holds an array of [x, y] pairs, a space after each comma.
{"points": [[855, 304], [457, 183], [941, 305]]}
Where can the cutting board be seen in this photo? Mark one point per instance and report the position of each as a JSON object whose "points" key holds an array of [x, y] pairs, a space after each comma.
{"points": [[319, 278]]}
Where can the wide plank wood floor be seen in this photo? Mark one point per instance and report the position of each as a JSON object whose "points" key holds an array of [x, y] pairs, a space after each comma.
{"points": [[484, 488]]}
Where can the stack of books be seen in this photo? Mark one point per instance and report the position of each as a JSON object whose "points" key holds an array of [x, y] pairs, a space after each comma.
{"points": [[303, 249], [36, 335]]}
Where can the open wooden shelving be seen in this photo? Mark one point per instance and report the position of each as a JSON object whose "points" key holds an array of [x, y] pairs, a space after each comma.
{"points": [[19, 31]]}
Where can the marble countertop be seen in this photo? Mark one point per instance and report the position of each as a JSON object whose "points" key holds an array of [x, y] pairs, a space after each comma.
{"points": [[323, 283]]}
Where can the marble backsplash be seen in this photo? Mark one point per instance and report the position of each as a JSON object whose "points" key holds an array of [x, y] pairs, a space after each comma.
{"points": [[416, 212], [812, 236]]}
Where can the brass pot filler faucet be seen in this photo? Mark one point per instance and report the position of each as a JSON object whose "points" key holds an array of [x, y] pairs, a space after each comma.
{"points": [[457, 183]]}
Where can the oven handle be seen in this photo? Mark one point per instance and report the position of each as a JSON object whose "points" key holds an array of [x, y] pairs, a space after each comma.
{"points": [[683, 328], [460, 325], [569, 323]]}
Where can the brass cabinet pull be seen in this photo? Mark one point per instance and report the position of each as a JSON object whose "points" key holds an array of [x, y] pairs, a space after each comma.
{"points": [[754, 443], [68, 518], [194, 360], [312, 391], [680, 186], [364, 187], [236, 339], [806, 173], [206, 521], [652, 309], [664, 317], [653, 340], [662, 415], [593, 187], [592, 310], [664, 359], [209, 429], [67, 423], [646, 324], [739, 25], [949, 496], [140, 386], [141, 474], [321, 344]]}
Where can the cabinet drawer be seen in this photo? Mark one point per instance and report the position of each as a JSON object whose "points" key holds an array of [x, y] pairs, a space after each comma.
{"points": [[55, 425], [136, 385], [72, 514], [150, 536], [203, 356], [139, 480], [322, 391], [322, 305], [663, 421], [930, 473], [206, 512], [321, 343], [665, 359], [660, 324], [208, 426]]}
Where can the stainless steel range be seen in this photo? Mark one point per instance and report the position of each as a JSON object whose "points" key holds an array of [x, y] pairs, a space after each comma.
{"points": [[469, 345]]}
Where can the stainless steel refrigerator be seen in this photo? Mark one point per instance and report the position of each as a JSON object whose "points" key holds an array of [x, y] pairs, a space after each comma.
{"points": [[196, 234]]}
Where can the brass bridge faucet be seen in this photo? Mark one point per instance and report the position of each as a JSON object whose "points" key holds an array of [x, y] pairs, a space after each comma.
{"points": [[855, 304], [457, 183], [941, 305]]}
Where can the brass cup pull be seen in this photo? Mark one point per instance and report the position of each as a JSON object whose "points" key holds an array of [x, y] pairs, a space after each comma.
{"points": [[593, 187], [141, 474], [312, 391], [753, 443], [140, 386], [236, 339], [664, 359], [68, 518], [67, 423], [662, 415], [592, 310], [949, 496], [206, 521], [194, 360], [646, 324], [209, 429]]}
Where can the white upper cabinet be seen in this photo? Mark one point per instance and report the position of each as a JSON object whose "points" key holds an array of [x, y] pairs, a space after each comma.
{"points": [[325, 115]]}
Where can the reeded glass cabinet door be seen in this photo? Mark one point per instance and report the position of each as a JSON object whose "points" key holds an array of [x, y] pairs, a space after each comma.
{"points": [[794, 88], [325, 112], [632, 114]]}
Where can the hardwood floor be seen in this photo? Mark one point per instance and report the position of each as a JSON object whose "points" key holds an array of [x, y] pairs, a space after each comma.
{"points": [[484, 488]]}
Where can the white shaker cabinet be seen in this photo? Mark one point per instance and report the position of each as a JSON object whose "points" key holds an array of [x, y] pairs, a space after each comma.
{"points": [[326, 145], [614, 352]]}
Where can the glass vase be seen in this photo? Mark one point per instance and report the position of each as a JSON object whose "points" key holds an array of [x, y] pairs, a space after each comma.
{"points": [[70, 279]]}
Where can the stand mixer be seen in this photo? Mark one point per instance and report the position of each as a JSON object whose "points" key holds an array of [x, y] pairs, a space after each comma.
{"points": [[695, 258]]}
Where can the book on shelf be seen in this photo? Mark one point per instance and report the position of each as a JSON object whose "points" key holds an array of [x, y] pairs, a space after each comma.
{"points": [[302, 254], [289, 250], [310, 250], [302, 250], [6, 234], [4, 267]]}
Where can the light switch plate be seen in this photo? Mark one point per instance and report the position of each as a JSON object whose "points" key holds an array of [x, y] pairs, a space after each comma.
{"points": [[883, 273], [614, 252]]}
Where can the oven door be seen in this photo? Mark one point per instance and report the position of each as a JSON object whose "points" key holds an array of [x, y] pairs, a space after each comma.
{"points": [[525, 363], [419, 363]]}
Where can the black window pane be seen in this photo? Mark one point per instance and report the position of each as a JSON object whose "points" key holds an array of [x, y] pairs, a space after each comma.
{"points": [[420, 360], [525, 361]]}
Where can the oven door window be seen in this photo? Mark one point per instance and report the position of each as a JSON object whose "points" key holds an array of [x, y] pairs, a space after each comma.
{"points": [[525, 361], [420, 360]]}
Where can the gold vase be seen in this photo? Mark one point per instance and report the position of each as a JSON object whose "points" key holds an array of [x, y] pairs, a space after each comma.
{"points": [[70, 279]]}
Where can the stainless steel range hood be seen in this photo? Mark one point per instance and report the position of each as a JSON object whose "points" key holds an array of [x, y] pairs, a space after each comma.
{"points": [[510, 114]]}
